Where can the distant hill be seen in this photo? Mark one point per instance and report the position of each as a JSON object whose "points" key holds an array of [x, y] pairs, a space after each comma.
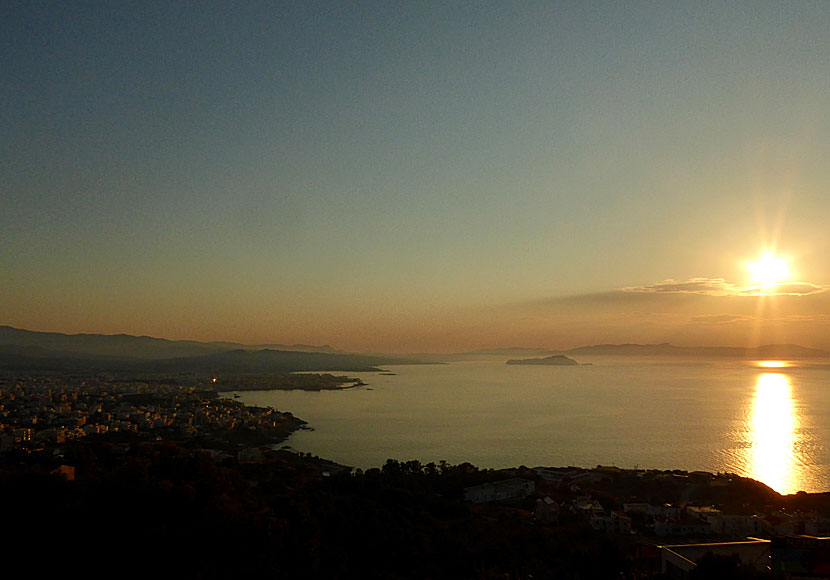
{"points": [[22, 350], [230, 362], [128, 346], [271, 361], [768, 351], [481, 354], [25, 350], [225, 346], [512, 351]]}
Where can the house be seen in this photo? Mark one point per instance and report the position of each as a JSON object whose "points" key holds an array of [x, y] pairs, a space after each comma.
{"points": [[587, 507], [783, 525], [249, 455], [817, 527], [556, 475], [612, 523], [728, 524], [666, 510], [801, 556], [686, 527], [679, 560], [546, 511], [505, 490], [735, 525]]}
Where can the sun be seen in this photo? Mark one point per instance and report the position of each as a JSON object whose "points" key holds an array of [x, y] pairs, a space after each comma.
{"points": [[769, 270]]}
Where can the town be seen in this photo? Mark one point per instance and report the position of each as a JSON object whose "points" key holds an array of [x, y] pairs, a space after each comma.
{"points": [[37, 411]]}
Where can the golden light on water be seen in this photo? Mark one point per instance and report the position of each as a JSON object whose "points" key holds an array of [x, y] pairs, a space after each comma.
{"points": [[773, 364], [771, 456]]}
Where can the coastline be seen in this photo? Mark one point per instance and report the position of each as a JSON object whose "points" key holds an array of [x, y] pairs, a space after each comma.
{"points": [[286, 382]]}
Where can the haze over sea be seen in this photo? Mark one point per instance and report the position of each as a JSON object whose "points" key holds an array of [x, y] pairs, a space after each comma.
{"points": [[767, 423]]}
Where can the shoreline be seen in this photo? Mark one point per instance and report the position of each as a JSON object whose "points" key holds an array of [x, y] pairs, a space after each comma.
{"points": [[285, 382]]}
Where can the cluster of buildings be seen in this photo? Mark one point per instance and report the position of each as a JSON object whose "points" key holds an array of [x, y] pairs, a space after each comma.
{"points": [[36, 411], [669, 539]]}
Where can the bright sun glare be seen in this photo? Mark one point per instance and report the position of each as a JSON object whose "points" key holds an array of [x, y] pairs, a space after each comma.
{"points": [[769, 270], [773, 364]]}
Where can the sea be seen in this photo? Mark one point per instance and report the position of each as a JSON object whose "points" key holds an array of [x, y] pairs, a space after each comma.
{"points": [[768, 420]]}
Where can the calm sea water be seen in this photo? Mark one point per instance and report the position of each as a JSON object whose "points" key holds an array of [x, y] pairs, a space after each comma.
{"points": [[772, 424]]}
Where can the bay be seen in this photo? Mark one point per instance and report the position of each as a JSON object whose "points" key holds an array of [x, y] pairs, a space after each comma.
{"points": [[769, 423]]}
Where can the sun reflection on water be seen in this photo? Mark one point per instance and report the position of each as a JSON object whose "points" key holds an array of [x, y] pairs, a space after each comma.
{"points": [[773, 364], [772, 432]]}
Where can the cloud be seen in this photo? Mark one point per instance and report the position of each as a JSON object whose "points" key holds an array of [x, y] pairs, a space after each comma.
{"points": [[720, 319], [708, 286], [799, 289], [720, 287], [802, 319]]}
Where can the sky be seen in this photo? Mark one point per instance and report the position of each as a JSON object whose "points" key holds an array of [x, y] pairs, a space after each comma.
{"points": [[416, 177]]}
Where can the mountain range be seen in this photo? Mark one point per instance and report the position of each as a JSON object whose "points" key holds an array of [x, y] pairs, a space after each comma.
{"points": [[22, 350], [29, 350], [767, 351], [128, 346]]}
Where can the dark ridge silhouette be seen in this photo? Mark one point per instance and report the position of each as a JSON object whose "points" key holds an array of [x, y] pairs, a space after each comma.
{"points": [[126, 346], [234, 361], [270, 361]]}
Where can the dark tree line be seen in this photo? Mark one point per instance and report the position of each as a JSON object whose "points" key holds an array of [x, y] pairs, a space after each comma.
{"points": [[164, 510]]}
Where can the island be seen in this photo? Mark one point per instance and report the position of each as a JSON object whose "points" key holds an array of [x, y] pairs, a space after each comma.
{"points": [[557, 359]]}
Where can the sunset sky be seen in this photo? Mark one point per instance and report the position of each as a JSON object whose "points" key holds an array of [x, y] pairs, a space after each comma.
{"points": [[384, 176]]}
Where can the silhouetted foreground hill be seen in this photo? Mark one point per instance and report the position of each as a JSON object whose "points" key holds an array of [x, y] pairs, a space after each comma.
{"points": [[161, 510]]}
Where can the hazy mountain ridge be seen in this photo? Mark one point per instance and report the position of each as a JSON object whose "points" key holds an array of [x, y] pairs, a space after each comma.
{"points": [[272, 361], [25, 349], [767, 351], [666, 349], [22, 350], [226, 362], [125, 346], [514, 350]]}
